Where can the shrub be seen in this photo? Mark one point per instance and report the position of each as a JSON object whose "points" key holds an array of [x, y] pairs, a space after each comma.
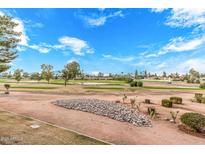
{"points": [[197, 81], [174, 115], [136, 84], [176, 100], [132, 101], [198, 97], [7, 86], [166, 103], [147, 101], [133, 84], [203, 100], [139, 83], [195, 121], [151, 111], [202, 85]]}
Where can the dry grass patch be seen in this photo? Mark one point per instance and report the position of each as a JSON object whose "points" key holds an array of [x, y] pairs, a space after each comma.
{"points": [[17, 130]]}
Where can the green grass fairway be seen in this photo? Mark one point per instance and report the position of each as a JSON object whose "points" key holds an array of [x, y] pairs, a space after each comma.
{"points": [[172, 88], [103, 88], [32, 87]]}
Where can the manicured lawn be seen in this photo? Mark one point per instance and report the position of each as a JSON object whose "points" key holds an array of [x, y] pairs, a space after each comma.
{"points": [[172, 88], [32, 87], [91, 81], [155, 80], [16, 129], [103, 88]]}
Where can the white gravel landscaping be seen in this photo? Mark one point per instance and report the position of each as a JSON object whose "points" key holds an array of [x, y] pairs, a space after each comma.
{"points": [[106, 108]]}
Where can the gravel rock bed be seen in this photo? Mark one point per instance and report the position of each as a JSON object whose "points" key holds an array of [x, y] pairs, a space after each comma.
{"points": [[106, 108]]}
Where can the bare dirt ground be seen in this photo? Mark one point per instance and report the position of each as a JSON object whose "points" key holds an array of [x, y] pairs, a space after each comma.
{"points": [[163, 132]]}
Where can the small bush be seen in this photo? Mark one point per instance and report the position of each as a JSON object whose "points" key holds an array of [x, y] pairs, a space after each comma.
{"points": [[166, 103], [132, 101], [151, 111], [147, 101], [133, 84], [202, 85], [195, 121], [139, 83], [198, 97], [136, 84], [176, 100], [174, 115], [7, 86]]}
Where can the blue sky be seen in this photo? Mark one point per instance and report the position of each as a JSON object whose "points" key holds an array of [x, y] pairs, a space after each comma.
{"points": [[111, 40]]}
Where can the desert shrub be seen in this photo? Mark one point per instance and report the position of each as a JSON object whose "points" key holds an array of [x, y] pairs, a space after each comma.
{"points": [[132, 101], [197, 81], [124, 98], [151, 111], [133, 84], [195, 121], [198, 97], [128, 80], [138, 104], [176, 100], [7, 86], [136, 84], [174, 115], [147, 101], [202, 85], [139, 83], [166, 103]]}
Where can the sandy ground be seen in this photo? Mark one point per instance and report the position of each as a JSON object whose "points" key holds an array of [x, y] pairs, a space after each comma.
{"points": [[163, 132]]}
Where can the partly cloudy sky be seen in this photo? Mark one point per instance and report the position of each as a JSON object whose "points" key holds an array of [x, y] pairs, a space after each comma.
{"points": [[111, 40]]}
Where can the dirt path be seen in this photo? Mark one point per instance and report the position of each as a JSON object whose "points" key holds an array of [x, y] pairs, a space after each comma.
{"points": [[162, 132]]}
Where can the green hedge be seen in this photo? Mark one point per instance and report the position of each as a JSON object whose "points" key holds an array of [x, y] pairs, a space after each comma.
{"points": [[195, 121], [136, 84], [166, 103], [176, 100]]}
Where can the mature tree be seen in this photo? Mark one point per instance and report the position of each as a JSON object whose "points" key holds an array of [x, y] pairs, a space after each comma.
{"points": [[47, 72], [74, 69], [100, 74], [36, 76], [26, 75], [164, 74], [66, 74], [57, 75], [18, 74], [145, 73], [9, 39], [136, 74], [193, 75]]}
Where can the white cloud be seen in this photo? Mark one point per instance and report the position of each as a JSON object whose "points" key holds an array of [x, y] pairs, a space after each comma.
{"points": [[95, 73], [1, 13], [180, 45], [151, 55], [71, 60], [161, 65], [37, 25], [122, 59], [158, 10], [195, 63], [39, 48], [186, 17], [21, 28], [101, 20], [78, 46]]}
